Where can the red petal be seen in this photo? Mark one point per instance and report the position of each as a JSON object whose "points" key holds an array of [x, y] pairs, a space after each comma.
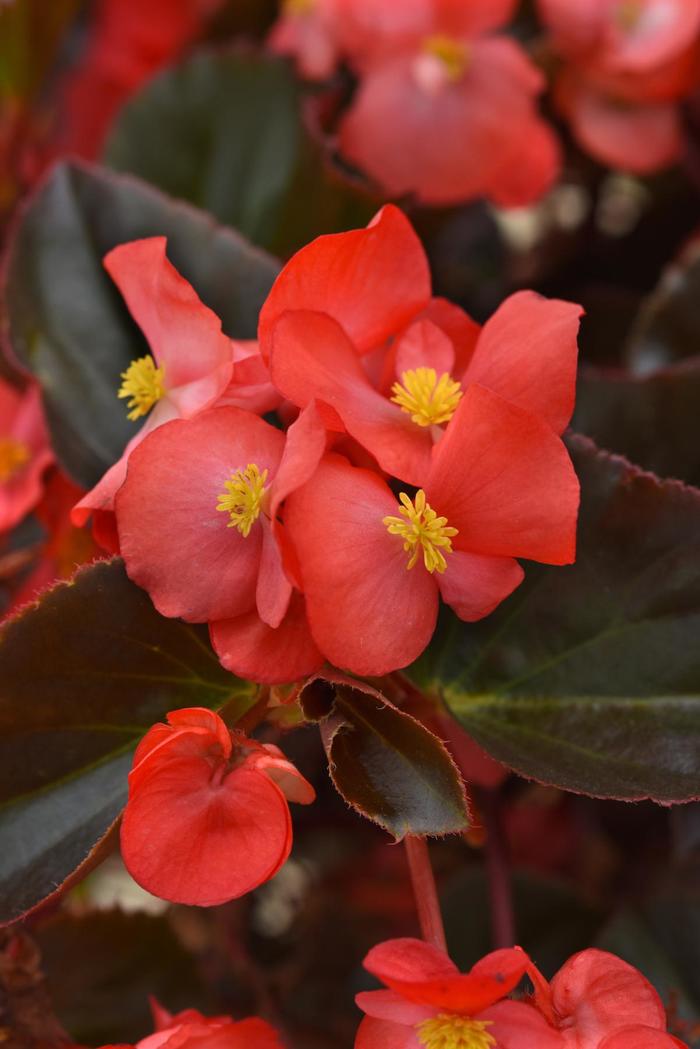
{"points": [[575, 24], [636, 138], [273, 590], [504, 479], [372, 281], [383, 1034], [527, 353], [516, 1025], [638, 1037], [251, 649], [174, 319], [367, 612], [600, 993], [174, 541], [473, 585], [401, 968], [313, 358], [388, 1005], [190, 840], [531, 171], [408, 960], [663, 30], [443, 144], [425, 345]]}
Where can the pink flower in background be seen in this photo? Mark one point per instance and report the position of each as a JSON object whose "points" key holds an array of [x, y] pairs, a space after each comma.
{"points": [[444, 108], [307, 30]]}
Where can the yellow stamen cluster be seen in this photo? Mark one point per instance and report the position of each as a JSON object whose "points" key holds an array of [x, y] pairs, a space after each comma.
{"points": [[296, 8], [422, 531], [453, 55], [427, 399], [628, 14], [13, 456], [143, 383], [449, 1031], [243, 498]]}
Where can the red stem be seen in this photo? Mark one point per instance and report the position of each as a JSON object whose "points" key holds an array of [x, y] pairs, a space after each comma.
{"points": [[425, 891]]}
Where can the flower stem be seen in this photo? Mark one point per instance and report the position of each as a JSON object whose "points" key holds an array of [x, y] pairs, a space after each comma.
{"points": [[425, 891], [497, 869]]}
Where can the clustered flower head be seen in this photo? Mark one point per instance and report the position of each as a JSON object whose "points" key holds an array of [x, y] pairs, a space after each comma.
{"points": [[446, 103], [412, 456], [595, 1001]]}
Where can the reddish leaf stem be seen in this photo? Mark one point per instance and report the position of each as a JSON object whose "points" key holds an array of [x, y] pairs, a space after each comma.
{"points": [[425, 891]]}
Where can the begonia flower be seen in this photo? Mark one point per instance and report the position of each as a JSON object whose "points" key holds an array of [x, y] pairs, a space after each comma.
{"points": [[198, 528], [595, 1001], [190, 364], [189, 1029], [394, 398], [500, 485], [429, 1004], [444, 108], [25, 453], [307, 30], [628, 62], [207, 818]]}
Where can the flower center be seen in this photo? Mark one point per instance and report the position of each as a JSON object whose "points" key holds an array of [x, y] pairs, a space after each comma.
{"points": [[448, 1031], [628, 14], [451, 54], [13, 456], [296, 8], [143, 384], [427, 399], [422, 531], [243, 498]]}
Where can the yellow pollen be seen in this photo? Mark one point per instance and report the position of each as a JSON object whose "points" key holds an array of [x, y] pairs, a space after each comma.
{"points": [[243, 498], [449, 1031], [628, 14], [13, 456], [143, 383], [427, 399], [422, 530], [296, 8], [452, 54]]}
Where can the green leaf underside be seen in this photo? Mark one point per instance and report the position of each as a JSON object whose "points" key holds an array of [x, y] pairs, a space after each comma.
{"points": [[83, 675], [588, 678], [389, 767], [650, 419], [66, 321], [226, 133]]}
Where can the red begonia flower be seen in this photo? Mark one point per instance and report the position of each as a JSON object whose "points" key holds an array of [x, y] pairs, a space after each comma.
{"points": [[500, 485], [595, 1001], [198, 513], [373, 281], [189, 1029], [191, 359], [629, 62], [307, 30], [441, 108], [526, 353], [429, 1002], [24, 453], [207, 818]]}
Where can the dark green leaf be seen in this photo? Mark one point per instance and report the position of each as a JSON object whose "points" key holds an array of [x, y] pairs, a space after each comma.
{"points": [[116, 961], [83, 674], [650, 419], [589, 676], [66, 321], [225, 132], [668, 325], [385, 764]]}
